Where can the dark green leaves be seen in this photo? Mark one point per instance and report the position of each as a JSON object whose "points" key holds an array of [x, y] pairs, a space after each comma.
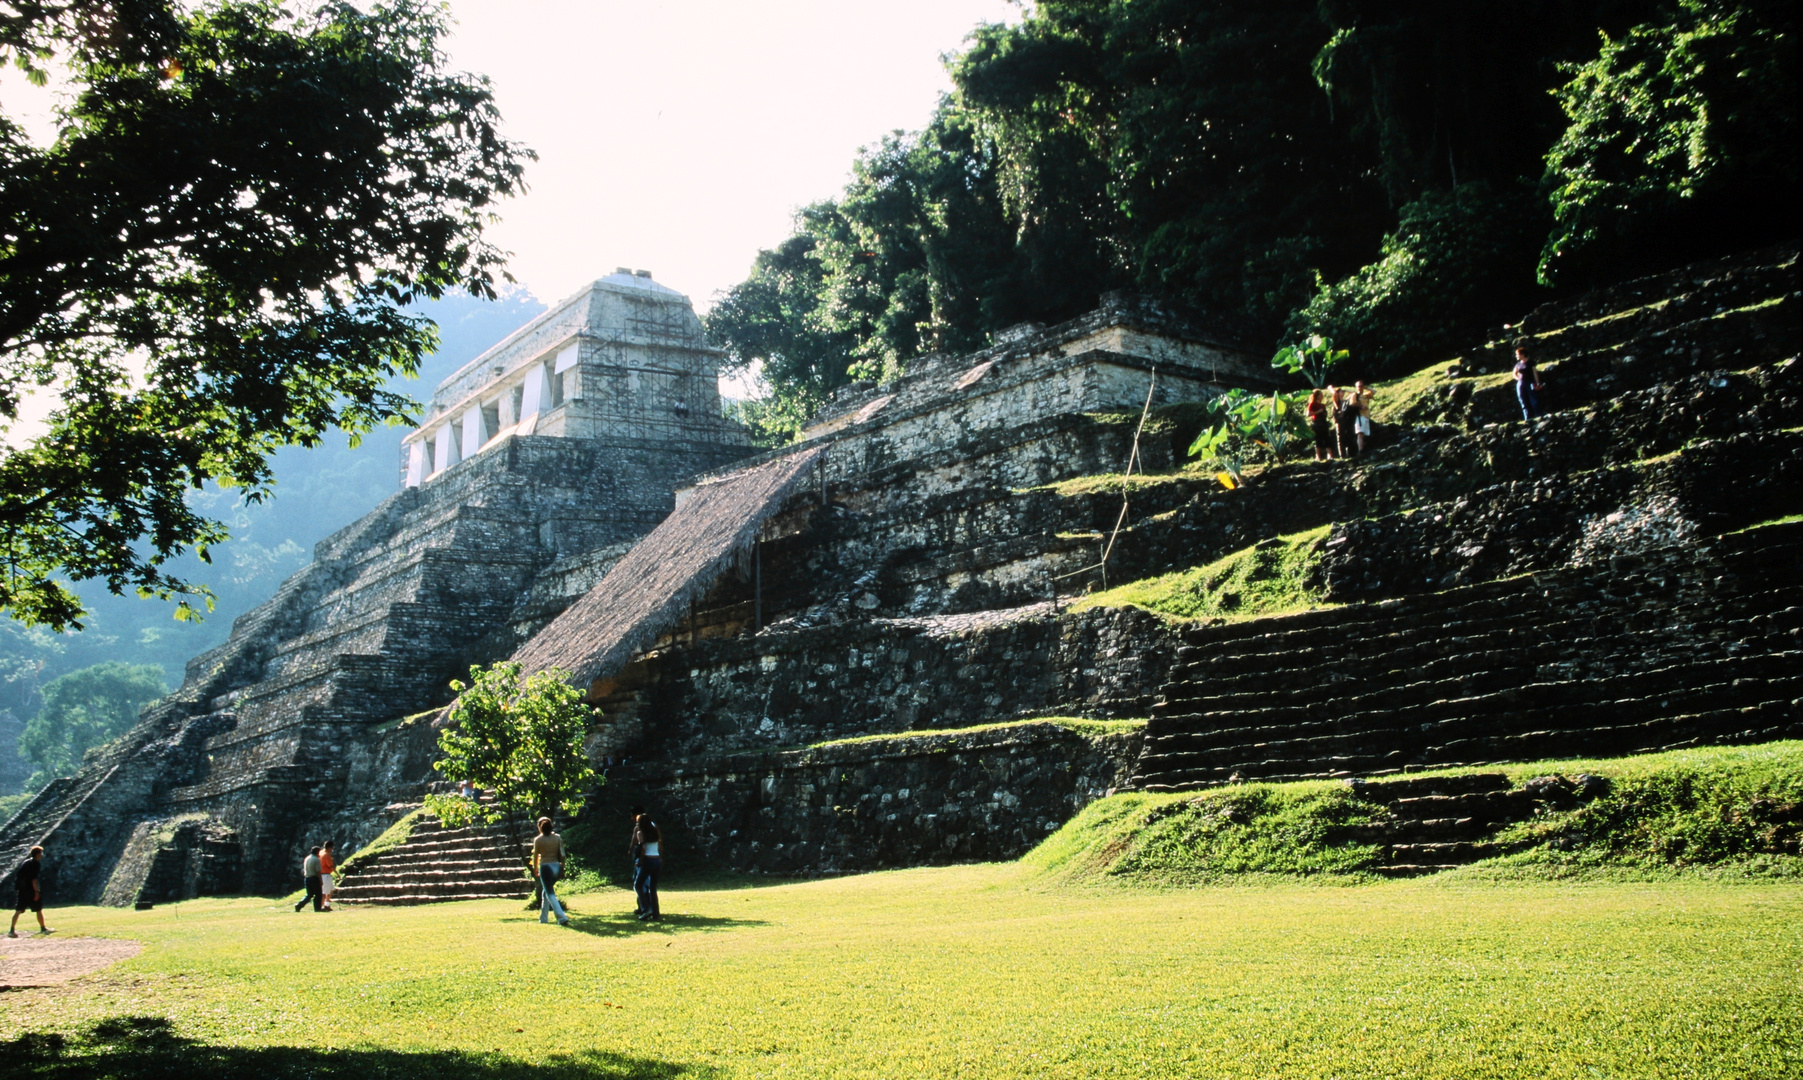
{"points": [[213, 260], [1682, 141]]}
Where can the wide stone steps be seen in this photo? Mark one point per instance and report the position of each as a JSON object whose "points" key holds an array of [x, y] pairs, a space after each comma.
{"points": [[437, 864], [1391, 751], [1485, 615], [1695, 644], [1437, 823], [1482, 691]]}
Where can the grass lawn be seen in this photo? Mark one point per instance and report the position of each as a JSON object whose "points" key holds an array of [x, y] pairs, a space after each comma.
{"points": [[973, 971]]}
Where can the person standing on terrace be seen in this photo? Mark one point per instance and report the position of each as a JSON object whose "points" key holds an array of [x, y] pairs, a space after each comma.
{"points": [[1361, 399], [1318, 424], [1527, 385]]}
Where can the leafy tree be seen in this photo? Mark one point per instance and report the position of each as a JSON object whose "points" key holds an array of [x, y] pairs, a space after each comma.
{"points": [[1366, 170], [1458, 264], [521, 740], [777, 319], [212, 260], [912, 258], [85, 709], [1682, 142]]}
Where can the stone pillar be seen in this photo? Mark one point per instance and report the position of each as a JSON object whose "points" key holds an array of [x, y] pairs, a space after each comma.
{"points": [[564, 373], [537, 397], [473, 435], [445, 449], [418, 464]]}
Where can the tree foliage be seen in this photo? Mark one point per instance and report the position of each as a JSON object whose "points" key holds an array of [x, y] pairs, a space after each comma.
{"points": [[212, 259], [520, 740], [1376, 172], [1458, 265], [85, 709], [1682, 141]]}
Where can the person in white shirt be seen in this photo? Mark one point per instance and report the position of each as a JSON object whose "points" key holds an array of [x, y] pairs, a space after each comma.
{"points": [[647, 849]]}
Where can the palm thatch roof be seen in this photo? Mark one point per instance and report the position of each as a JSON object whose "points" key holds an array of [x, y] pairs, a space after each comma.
{"points": [[648, 592]]}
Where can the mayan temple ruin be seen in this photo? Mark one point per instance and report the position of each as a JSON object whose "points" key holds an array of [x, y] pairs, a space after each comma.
{"points": [[788, 651]]}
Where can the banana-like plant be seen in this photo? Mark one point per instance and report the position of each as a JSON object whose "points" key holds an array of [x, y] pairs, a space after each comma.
{"points": [[1247, 419], [1312, 359]]}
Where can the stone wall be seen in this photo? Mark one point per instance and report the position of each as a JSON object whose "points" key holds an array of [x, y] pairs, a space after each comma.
{"points": [[787, 686], [914, 800]]}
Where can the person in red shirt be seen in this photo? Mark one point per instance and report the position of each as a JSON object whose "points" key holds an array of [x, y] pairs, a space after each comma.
{"points": [[326, 866]]}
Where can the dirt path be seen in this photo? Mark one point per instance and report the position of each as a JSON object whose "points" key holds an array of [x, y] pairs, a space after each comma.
{"points": [[51, 960]]}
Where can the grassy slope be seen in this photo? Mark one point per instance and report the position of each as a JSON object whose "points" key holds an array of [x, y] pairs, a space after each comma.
{"points": [[974, 971], [1721, 809], [1080, 725], [1266, 579]]}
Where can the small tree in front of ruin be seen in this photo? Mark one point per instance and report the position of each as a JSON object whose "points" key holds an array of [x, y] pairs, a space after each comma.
{"points": [[521, 740]]}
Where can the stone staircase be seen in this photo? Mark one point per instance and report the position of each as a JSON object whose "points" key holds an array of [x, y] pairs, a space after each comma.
{"points": [[1439, 822], [1693, 644], [437, 864]]}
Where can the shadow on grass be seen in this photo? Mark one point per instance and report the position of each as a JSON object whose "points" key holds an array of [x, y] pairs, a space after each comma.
{"points": [[147, 1048], [623, 924]]}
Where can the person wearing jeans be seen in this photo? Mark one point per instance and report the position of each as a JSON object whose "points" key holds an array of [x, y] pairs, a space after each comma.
{"points": [[647, 846], [1527, 385], [547, 863]]}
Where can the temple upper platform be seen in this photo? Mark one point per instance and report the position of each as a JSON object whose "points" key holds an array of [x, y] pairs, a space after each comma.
{"points": [[623, 361]]}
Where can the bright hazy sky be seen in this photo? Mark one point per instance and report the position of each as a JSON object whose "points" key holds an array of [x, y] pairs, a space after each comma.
{"points": [[675, 137], [681, 137]]}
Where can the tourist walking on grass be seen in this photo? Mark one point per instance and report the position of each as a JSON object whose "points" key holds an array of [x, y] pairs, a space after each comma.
{"points": [[647, 866], [327, 865], [1318, 424], [547, 864], [29, 883], [1527, 385], [311, 873], [1361, 400]]}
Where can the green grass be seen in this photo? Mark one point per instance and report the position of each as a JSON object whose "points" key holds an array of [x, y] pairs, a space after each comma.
{"points": [[1269, 578], [974, 971], [406, 721], [1112, 483], [1079, 724], [1726, 811], [1406, 400], [1214, 837]]}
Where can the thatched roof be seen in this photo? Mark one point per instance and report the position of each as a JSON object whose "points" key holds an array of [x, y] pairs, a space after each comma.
{"points": [[648, 592]]}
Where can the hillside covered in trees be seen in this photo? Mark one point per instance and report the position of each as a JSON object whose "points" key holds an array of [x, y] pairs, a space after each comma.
{"points": [[1400, 177]]}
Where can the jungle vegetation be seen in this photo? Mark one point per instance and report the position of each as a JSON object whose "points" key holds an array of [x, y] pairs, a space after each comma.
{"points": [[1400, 178]]}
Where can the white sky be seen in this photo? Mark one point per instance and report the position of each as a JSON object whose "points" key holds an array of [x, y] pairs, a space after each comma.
{"points": [[681, 137]]}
